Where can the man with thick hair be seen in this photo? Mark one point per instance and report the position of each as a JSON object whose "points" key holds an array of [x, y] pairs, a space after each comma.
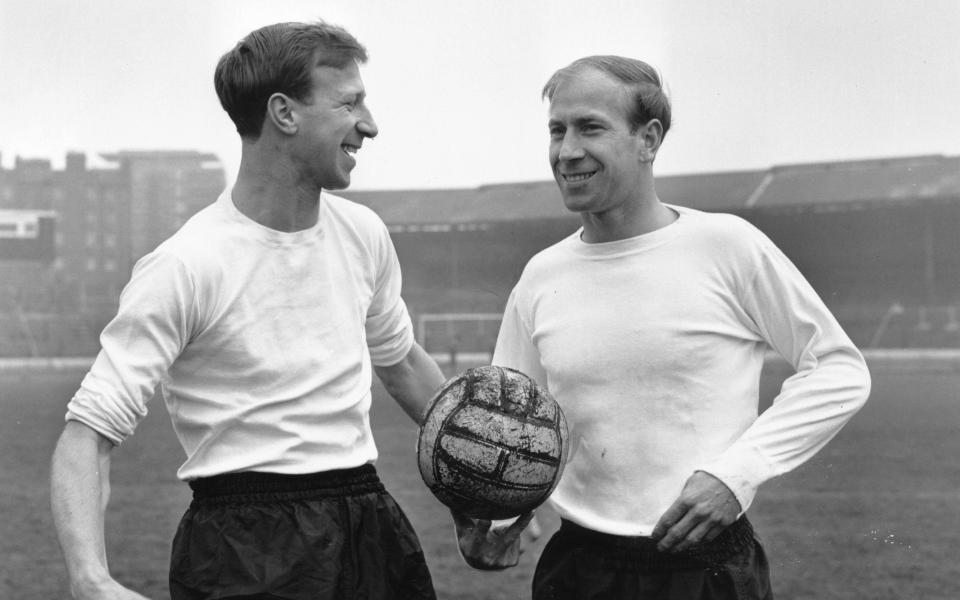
{"points": [[649, 326], [262, 320]]}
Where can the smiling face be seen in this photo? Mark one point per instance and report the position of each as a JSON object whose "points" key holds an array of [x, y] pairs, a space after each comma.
{"points": [[332, 124], [597, 161]]}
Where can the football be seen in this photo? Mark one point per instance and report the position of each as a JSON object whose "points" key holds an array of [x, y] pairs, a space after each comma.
{"points": [[493, 443]]}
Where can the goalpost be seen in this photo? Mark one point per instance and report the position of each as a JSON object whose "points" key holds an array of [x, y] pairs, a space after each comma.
{"points": [[455, 338]]}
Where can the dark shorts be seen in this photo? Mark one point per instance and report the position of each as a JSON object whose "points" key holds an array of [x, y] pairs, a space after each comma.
{"points": [[336, 534], [581, 564]]}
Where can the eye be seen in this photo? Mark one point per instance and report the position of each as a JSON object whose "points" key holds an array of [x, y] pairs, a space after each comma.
{"points": [[556, 132]]}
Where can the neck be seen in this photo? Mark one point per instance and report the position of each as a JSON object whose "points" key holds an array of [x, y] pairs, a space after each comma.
{"points": [[269, 191], [626, 221]]}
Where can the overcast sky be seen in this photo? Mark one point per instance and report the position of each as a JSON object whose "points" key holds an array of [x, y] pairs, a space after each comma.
{"points": [[454, 85]]}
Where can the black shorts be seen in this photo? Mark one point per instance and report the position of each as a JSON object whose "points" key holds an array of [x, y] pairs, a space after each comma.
{"points": [[581, 564], [336, 534]]}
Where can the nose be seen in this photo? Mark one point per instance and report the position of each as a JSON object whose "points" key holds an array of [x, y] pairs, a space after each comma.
{"points": [[366, 125], [570, 147]]}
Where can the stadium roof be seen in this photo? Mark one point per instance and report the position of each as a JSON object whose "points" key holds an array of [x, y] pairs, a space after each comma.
{"points": [[860, 182], [835, 185]]}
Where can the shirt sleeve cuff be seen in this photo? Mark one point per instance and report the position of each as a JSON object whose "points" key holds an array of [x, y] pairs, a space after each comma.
{"points": [[391, 353], [97, 425], [742, 469]]}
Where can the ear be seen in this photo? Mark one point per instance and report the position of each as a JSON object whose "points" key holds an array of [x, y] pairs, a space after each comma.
{"points": [[651, 135], [280, 112]]}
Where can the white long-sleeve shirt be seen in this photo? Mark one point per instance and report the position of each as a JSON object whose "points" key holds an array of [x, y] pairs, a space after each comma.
{"points": [[653, 347], [262, 341]]}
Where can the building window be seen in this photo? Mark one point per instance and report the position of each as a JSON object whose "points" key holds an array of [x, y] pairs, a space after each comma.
{"points": [[91, 239], [110, 240], [58, 264], [91, 264], [109, 265]]}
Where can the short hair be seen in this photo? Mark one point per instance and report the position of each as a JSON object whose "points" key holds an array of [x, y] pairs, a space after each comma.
{"points": [[650, 101], [278, 58]]}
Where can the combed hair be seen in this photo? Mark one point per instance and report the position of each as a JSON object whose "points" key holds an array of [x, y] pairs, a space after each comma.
{"points": [[278, 58], [649, 99]]}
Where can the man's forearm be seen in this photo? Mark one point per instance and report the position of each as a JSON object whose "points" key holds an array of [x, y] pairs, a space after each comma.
{"points": [[412, 381], [79, 490]]}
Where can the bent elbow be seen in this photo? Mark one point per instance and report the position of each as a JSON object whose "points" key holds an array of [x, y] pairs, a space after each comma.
{"points": [[861, 382]]}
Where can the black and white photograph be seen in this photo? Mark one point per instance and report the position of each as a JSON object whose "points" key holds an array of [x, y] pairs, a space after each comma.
{"points": [[479, 300]]}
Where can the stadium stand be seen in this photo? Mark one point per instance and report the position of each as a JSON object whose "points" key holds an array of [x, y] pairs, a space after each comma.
{"points": [[868, 234], [878, 239]]}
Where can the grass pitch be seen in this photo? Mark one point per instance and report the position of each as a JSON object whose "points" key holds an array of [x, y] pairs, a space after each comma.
{"points": [[874, 515]]}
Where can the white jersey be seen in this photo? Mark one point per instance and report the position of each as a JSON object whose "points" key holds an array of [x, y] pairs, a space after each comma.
{"points": [[261, 340], [653, 347]]}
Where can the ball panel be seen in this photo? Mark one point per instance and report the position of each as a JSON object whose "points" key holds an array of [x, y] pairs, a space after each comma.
{"points": [[495, 463], [522, 470], [484, 386], [508, 431], [474, 455], [472, 506], [544, 408], [454, 475], [485, 498], [516, 393], [445, 402], [564, 433]]}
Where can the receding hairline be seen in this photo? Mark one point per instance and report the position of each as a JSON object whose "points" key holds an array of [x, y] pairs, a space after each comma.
{"points": [[569, 74], [587, 64], [624, 90]]}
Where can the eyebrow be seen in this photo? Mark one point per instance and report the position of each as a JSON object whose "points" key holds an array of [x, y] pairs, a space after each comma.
{"points": [[579, 121], [354, 96]]}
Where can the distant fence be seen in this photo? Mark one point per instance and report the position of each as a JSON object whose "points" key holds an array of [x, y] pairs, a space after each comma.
{"points": [[914, 360], [45, 365], [907, 359]]}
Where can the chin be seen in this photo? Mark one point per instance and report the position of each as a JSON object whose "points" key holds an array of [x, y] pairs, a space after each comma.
{"points": [[575, 203], [336, 184]]}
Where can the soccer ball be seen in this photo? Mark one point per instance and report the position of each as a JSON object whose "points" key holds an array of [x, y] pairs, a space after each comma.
{"points": [[493, 443]]}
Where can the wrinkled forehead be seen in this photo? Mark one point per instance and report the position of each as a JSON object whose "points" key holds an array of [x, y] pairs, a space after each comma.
{"points": [[589, 90], [337, 79]]}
